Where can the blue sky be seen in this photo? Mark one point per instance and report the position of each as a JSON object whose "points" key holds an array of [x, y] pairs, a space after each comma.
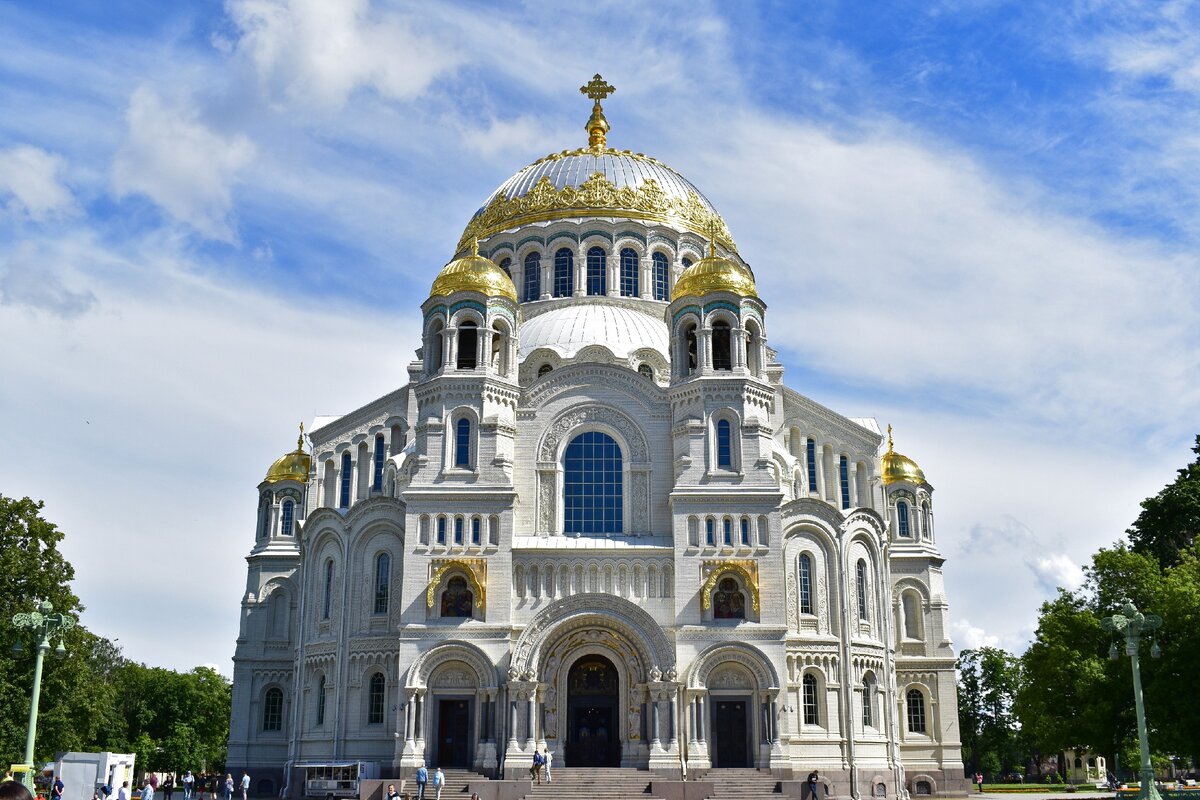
{"points": [[974, 220]]}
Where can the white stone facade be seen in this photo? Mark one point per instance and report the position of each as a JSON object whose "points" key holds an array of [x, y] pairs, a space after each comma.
{"points": [[338, 661]]}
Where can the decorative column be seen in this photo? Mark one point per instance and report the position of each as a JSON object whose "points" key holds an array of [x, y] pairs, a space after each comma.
{"points": [[522, 694], [451, 348], [662, 693], [852, 474]]}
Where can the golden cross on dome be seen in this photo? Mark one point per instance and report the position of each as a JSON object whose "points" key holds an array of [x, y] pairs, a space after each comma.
{"points": [[300, 440], [889, 437], [597, 126]]}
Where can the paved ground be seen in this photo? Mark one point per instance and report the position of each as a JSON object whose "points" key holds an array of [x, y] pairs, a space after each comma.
{"points": [[1049, 794]]}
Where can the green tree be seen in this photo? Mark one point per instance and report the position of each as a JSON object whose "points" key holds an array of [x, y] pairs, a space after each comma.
{"points": [[989, 679], [154, 702], [1170, 520]]}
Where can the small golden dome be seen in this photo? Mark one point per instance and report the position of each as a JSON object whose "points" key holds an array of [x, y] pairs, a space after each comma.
{"points": [[898, 468], [473, 273], [714, 274], [293, 466]]}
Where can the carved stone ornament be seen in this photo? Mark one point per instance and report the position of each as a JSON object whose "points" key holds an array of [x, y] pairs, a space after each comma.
{"points": [[574, 418], [793, 602], [655, 674]]}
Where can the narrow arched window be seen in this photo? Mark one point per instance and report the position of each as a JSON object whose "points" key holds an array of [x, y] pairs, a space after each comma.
{"points": [[462, 443], [321, 695], [629, 272], [383, 582], [593, 485], [806, 605], [533, 277], [745, 532], [724, 444], [727, 530], [441, 530], [661, 272], [811, 709], [926, 530], [476, 524], [860, 574], [564, 273], [915, 701], [811, 458], [468, 345], [458, 530], [911, 603], [380, 458], [375, 700], [844, 480], [347, 476], [689, 338], [868, 700], [264, 515], [728, 600], [722, 346], [327, 593], [272, 716], [506, 265], [597, 271], [902, 519], [458, 600], [710, 537], [288, 516]]}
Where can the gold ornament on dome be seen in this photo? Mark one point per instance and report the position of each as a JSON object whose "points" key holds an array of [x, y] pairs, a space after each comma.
{"points": [[597, 126], [473, 569], [293, 466], [747, 569], [714, 274], [473, 273], [597, 196], [899, 468]]}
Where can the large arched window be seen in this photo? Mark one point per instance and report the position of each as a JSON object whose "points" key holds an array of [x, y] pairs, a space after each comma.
{"points": [[597, 271], [564, 273], [689, 340], [911, 605], [593, 485], [287, 518], [724, 444], [375, 700], [811, 708], [902, 519], [811, 459], [860, 575], [926, 530], [806, 606], [722, 346], [661, 272], [868, 702], [327, 591], [629, 272], [321, 693], [347, 476], [264, 515], [468, 344], [434, 355], [844, 480], [380, 457], [533, 277], [272, 715], [729, 602], [457, 598], [383, 582], [462, 443], [915, 702]]}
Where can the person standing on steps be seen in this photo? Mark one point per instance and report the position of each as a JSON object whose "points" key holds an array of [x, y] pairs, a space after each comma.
{"points": [[535, 771], [814, 781], [439, 780], [422, 779], [546, 759]]}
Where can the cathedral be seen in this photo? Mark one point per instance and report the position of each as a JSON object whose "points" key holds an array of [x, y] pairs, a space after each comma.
{"points": [[595, 520]]}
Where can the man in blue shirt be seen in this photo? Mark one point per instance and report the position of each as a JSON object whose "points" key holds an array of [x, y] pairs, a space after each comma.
{"points": [[422, 779]]}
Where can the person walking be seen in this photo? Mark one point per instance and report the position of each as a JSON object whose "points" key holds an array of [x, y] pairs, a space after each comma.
{"points": [[123, 792], [439, 780], [245, 785], [979, 781], [169, 786], [814, 781], [535, 770], [189, 783], [228, 786], [422, 779], [148, 790], [547, 757]]}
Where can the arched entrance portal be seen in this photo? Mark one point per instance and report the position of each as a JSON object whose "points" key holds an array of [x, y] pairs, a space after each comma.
{"points": [[593, 691]]}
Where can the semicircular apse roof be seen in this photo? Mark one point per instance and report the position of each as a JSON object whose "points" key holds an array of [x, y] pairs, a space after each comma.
{"points": [[569, 329]]}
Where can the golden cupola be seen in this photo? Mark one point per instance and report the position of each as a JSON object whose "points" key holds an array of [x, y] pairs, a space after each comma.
{"points": [[715, 274], [473, 273], [899, 468], [293, 466]]}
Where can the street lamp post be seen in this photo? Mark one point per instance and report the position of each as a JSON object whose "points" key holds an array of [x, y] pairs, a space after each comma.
{"points": [[45, 625], [1133, 623]]}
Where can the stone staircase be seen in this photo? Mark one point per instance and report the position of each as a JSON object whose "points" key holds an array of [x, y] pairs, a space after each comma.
{"points": [[456, 782], [742, 784], [593, 783]]}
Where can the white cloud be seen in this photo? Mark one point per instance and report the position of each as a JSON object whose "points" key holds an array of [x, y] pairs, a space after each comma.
{"points": [[31, 183], [970, 637], [170, 156], [317, 53], [29, 279], [1056, 570]]}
